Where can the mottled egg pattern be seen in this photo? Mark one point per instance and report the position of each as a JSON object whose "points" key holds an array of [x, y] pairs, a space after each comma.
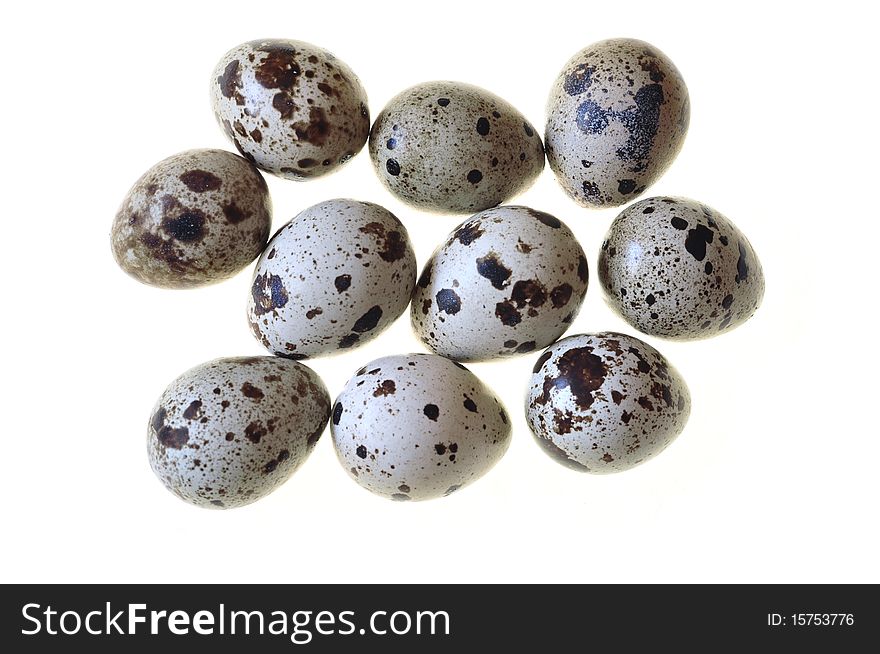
{"points": [[676, 268], [454, 148], [508, 281], [417, 426], [195, 218], [617, 117], [230, 431], [333, 278], [290, 107], [605, 402]]}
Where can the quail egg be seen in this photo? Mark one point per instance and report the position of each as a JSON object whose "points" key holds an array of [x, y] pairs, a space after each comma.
{"points": [[507, 281], [417, 426], [333, 278], [617, 117], [676, 268], [195, 218], [605, 402], [290, 107], [230, 431], [451, 147]]}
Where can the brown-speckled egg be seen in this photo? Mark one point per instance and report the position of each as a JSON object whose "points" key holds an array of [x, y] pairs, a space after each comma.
{"points": [[417, 427], [508, 281], [290, 107], [230, 431], [617, 117], [195, 218], [331, 279], [605, 402], [676, 268], [451, 147]]}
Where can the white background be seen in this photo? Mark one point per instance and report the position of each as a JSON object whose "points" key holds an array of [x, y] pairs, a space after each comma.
{"points": [[774, 479]]}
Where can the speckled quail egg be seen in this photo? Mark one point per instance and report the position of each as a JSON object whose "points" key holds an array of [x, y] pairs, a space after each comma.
{"points": [[334, 277], [417, 426], [605, 402], [509, 280], [454, 148], [230, 431], [676, 268], [617, 116], [290, 107], [195, 218]]}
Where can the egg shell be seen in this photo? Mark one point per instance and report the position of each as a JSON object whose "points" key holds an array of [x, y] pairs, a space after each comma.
{"points": [[417, 427], [451, 147], [606, 402], [290, 107], [676, 268], [195, 218], [230, 431], [333, 278], [617, 117], [507, 281]]}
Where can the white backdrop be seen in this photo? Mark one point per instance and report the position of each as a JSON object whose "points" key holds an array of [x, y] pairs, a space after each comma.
{"points": [[774, 478]]}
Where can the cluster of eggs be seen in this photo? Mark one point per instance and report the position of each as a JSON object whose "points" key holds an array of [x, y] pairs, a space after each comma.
{"points": [[507, 281]]}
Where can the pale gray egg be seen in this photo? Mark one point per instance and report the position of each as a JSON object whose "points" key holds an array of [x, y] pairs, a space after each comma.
{"points": [[333, 278], [676, 268], [605, 402], [617, 117], [195, 218], [417, 426], [290, 107], [452, 147], [507, 281], [230, 431]]}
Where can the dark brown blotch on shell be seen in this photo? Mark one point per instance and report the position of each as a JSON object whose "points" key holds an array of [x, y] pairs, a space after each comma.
{"points": [[392, 243], [581, 371], [200, 181]]}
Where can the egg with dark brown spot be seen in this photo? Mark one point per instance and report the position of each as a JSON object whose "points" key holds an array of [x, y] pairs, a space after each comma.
{"points": [[606, 402], [679, 269], [418, 427], [195, 218], [292, 108], [451, 147], [508, 281], [331, 279], [617, 117], [230, 431]]}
